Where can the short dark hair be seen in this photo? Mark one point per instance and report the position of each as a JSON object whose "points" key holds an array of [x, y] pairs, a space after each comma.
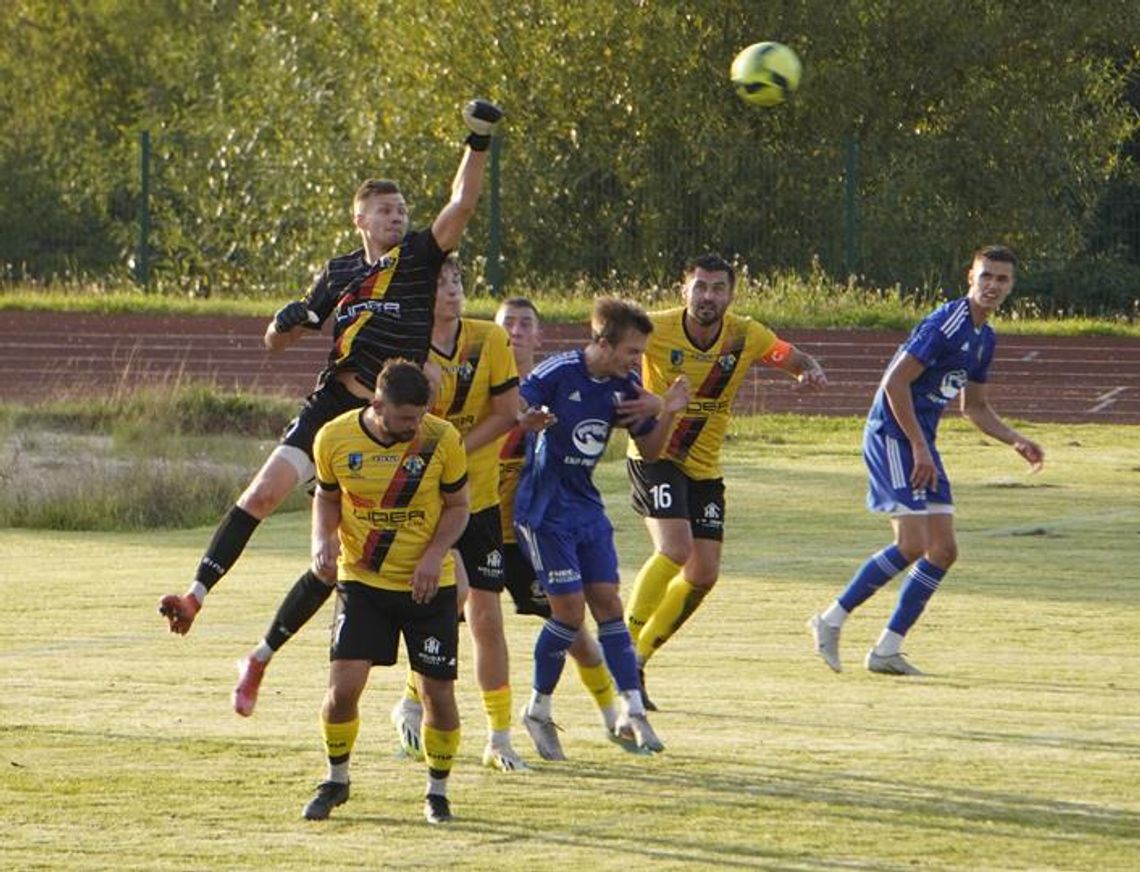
{"points": [[613, 318], [374, 187], [1000, 253], [403, 383], [520, 303], [712, 263]]}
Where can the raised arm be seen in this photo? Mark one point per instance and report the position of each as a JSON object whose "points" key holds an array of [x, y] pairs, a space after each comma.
{"points": [[481, 118]]}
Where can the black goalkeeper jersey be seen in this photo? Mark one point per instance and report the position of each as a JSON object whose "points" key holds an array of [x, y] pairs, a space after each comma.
{"points": [[382, 310]]}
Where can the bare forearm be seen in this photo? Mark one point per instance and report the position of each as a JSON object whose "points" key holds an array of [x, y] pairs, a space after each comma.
{"points": [[902, 406], [488, 430], [275, 341], [452, 521]]}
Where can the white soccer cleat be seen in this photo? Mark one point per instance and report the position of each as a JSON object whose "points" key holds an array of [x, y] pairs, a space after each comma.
{"points": [[504, 758], [891, 664], [407, 716], [544, 734], [826, 641], [638, 727]]}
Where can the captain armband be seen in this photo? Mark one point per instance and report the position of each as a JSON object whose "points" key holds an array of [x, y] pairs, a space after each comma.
{"points": [[778, 354]]}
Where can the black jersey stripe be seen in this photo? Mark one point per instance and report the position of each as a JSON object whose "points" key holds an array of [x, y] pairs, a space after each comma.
{"points": [[376, 548], [407, 479]]}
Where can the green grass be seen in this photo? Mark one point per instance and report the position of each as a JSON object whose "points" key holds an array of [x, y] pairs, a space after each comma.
{"points": [[1020, 750], [781, 300]]}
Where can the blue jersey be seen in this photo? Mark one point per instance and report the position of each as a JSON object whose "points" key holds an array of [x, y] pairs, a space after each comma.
{"points": [[556, 484], [953, 351]]}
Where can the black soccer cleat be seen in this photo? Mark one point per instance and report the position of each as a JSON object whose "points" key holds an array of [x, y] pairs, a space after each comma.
{"points": [[645, 700], [437, 810], [330, 794]]}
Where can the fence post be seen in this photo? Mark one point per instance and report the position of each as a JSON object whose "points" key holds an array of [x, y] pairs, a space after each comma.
{"points": [[495, 242], [850, 204], [142, 257]]}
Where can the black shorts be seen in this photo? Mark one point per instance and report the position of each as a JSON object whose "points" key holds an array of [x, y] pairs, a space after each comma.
{"points": [[661, 490], [481, 547], [523, 585], [369, 621], [321, 406]]}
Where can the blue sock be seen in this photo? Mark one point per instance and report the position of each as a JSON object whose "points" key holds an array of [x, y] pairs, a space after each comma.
{"points": [[920, 584], [880, 568], [617, 648], [554, 639]]}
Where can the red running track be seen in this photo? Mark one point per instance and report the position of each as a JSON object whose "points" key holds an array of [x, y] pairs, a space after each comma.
{"points": [[49, 354]]}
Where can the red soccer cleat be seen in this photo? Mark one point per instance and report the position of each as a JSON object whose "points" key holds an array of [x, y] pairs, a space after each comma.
{"points": [[250, 672]]}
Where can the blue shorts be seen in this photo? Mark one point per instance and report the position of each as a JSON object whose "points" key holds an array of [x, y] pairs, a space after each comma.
{"points": [[889, 465], [566, 558]]}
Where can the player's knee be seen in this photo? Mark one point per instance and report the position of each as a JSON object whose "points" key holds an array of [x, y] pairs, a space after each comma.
{"points": [[484, 613], [263, 496], [942, 554]]}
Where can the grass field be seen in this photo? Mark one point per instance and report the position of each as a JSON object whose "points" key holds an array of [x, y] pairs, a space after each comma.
{"points": [[1021, 750]]}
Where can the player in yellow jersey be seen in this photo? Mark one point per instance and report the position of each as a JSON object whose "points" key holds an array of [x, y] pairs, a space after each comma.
{"points": [[681, 495], [391, 501], [478, 394]]}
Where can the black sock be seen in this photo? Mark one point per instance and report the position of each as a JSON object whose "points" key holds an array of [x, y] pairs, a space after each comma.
{"points": [[226, 547], [303, 601]]}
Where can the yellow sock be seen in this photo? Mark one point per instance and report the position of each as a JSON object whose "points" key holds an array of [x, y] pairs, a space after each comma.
{"points": [[339, 738], [680, 601], [648, 589], [440, 748], [497, 705], [410, 690], [599, 682]]}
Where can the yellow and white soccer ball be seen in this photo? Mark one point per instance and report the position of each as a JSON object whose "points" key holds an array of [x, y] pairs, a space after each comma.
{"points": [[766, 73]]}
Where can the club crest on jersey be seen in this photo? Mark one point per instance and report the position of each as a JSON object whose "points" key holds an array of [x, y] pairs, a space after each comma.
{"points": [[414, 464], [355, 461], [676, 357], [590, 436], [465, 371], [726, 361]]}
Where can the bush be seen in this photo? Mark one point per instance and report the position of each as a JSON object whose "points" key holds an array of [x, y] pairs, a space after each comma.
{"points": [[1089, 287]]}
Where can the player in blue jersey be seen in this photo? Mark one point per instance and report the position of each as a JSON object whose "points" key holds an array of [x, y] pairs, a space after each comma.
{"points": [[948, 354], [559, 515]]}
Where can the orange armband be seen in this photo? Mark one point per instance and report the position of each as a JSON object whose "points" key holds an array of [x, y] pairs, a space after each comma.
{"points": [[778, 354]]}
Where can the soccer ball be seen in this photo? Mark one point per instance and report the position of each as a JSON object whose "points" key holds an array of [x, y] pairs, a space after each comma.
{"points": [[766, 74]]}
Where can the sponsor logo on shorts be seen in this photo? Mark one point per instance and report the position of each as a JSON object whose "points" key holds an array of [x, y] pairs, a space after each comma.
{"points": [[431, 653], [563, 576]]}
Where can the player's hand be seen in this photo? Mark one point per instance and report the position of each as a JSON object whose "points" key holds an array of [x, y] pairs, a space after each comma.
{"points": [[425, 578], [293, 315], [481, 118], [325, 553], [643, 407], [924, 476], [536, 418], [678, 395], [179, 611], [812, 379], [1033, 453]]}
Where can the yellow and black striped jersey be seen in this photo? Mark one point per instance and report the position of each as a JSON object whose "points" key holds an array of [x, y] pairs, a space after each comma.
{"points": [[715, 375], [512, 454], [480, 367], [381, 310], [390, 496]]}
